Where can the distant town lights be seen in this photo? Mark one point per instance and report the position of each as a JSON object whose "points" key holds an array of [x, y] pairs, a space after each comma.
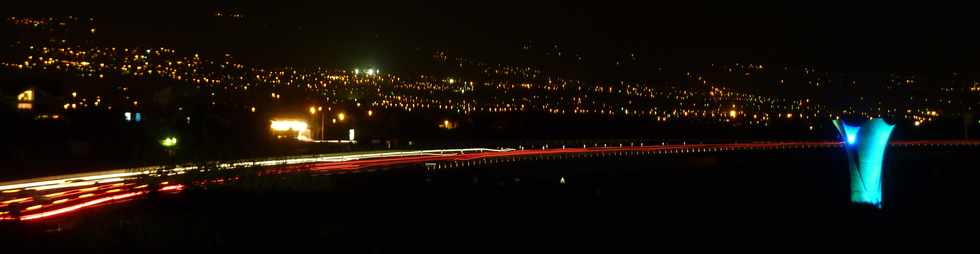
{"points": [[515, 88]]}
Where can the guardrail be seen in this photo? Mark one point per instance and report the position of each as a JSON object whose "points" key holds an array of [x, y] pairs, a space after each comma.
{"points": [[81, 179]]}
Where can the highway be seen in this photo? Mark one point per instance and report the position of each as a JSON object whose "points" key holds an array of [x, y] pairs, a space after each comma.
{"points": [[45, 197]]}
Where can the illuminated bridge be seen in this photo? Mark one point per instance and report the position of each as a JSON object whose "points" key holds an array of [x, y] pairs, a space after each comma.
{"points": [[45, 197]]}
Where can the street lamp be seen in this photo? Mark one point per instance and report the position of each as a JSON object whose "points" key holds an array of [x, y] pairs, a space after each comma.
{"points": [[319, 109], [169, 142], [313, 112], [341, 116]]}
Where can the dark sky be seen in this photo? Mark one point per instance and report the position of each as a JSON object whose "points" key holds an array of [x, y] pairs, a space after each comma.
{"points": [[836, 34]]}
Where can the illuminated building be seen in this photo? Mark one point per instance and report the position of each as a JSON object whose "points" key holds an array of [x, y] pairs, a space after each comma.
{"points": [[448, 125], [26, 96], [865, 148], [285, 128], [25, 100]]}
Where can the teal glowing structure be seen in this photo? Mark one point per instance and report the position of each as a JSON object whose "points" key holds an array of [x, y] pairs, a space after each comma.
{"points": [[865, 148]]}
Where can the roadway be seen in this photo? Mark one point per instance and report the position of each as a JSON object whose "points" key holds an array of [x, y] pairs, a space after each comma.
{"points": [[45, 197]]}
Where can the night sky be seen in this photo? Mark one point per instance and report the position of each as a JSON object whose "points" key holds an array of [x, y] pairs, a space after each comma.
{"points": [[842, 36]]}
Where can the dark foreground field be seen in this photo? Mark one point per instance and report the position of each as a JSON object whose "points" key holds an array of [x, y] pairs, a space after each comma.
{"points": [[613, 204]]}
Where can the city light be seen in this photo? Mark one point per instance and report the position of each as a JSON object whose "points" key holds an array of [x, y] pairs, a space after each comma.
{"points": [[288, 125], [341, 116], [169, 142], [300, 127], [370, 113], [446, 124], [26, 96], [312, 110], [516, 88]]}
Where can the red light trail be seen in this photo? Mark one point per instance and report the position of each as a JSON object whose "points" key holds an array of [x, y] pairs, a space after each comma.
{"points": [[79, 206]]}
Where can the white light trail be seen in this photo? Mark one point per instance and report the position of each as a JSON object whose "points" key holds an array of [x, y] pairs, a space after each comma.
{"points": [[75, 180]]}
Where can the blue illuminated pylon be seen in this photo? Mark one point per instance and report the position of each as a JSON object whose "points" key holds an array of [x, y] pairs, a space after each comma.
{"points": [[865, 148]]}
